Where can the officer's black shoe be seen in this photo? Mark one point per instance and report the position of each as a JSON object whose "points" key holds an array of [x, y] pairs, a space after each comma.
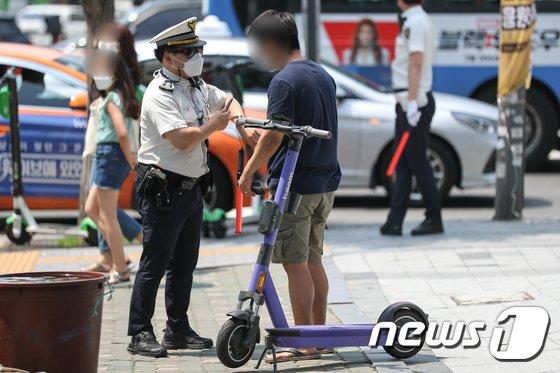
{"points": [[428, 226], [187, 340], [388, 229], [146, 344]]}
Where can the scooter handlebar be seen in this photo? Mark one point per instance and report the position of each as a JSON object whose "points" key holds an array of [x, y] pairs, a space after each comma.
{"points": [[242, 121], [313, 132], [284, 127]]}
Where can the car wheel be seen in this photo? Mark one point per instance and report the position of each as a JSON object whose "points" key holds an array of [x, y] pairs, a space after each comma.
{"points": [[444, 167], [541, 128], [221, 194]]}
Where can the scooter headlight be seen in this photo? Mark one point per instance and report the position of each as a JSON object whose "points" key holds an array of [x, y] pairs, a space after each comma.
{"points": [[480, 124]]}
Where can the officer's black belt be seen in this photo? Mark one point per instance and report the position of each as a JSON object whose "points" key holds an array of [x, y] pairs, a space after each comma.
{"points": [[399, 90], [173, 179]]}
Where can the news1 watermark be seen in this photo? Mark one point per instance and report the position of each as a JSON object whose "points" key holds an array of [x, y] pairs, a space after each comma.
{"points": [[526, 326]]}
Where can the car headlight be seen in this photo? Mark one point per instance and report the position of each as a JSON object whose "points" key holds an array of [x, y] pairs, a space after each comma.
{"points": [[480, 124]]}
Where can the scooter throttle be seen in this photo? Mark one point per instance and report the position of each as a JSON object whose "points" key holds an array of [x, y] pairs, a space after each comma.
{"points": [[313, 132]]}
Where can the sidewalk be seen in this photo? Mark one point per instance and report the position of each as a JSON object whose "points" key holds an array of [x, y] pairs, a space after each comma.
{"points": [[214, 293], [473, 272]]}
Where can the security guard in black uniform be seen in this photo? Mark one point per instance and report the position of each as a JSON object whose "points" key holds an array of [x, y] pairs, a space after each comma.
{"points": [[412, 83], [179, 112]]}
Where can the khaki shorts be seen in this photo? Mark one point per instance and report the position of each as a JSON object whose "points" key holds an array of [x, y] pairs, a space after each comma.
{"points": [[300, 237]]}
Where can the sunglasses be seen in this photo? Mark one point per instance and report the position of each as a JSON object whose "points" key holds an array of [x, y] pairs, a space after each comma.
{"points": [[189, 52]]}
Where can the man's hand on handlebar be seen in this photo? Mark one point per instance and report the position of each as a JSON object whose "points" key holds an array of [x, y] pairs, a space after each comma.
{"points": [[245, 182], [250, 136]]}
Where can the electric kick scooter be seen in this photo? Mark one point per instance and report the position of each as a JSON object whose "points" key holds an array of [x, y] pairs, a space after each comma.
{"points": [[239, 335], [21, 225]]}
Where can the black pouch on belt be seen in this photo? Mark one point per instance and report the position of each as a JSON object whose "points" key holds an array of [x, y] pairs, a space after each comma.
{"points": [[153, 186]]}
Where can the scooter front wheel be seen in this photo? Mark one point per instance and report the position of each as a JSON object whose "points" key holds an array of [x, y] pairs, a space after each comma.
{"points": [[402, 316], [230, 348], [23, 238]]}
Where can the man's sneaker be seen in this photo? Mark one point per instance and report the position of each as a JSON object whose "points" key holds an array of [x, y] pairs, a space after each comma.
{"points": [[428, 226], [388, 229], [187, 340], [146, 344]]}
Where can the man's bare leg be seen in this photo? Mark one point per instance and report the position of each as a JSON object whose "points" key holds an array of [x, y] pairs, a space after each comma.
{"points": [[300, 286], [321, 290]]}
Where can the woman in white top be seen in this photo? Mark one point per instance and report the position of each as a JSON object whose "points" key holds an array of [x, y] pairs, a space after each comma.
{"points": [[365, 49]]}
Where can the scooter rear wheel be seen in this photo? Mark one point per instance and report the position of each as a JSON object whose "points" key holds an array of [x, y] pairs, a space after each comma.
{"points": [[229, 348], [400, 317]]}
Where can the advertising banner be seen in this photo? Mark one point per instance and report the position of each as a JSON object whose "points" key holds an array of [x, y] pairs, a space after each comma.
{"points": [[518, 18]]}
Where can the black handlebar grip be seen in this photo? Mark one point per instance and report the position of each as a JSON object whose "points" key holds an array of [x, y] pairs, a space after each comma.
{"points": [[320, 134], [255, 121]]}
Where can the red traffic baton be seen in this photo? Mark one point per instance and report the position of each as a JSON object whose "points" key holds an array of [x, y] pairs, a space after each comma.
{"points": [[398, 153], [239, 193]]}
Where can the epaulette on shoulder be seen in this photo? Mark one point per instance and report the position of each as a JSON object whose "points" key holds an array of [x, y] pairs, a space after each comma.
{"points": [[166, 84]]}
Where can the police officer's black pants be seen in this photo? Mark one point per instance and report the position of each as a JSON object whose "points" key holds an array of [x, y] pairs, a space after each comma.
{"points": [[171, 245], [414, 161]]}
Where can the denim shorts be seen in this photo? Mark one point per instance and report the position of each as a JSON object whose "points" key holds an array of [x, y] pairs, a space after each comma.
{"points": [[110, 167]]}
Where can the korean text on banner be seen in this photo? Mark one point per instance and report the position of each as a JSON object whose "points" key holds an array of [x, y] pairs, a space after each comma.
{"points": [[518, 18]]}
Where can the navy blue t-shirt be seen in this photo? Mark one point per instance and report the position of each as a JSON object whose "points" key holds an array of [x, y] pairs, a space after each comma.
{"points": [[305, 94]]}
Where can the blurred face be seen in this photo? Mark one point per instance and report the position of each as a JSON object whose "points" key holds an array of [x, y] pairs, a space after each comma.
{"points": [[404, 6], [268, 54], [99, 64], [102, 71], [366, 36]]}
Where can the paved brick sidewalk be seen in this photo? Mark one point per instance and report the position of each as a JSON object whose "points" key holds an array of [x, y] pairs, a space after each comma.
{"points": [[473, 272], [214, 293]]}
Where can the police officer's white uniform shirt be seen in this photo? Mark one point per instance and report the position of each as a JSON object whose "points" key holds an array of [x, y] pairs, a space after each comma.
{"points": [[417, 35], [165, 110]]}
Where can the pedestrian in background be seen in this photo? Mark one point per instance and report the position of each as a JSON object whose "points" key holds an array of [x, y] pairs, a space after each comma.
{"points": [[118, 39], [302, 92], [114, 159], [412, 83]]}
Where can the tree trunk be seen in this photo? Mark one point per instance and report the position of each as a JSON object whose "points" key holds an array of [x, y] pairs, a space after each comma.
{"points": [[98, 12]]}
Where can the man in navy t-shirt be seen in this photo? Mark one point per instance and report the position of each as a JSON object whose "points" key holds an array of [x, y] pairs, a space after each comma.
{"points": [[305, 94]]}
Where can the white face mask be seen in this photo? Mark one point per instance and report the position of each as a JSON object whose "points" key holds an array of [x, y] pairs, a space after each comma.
{"points": [[103, 82], [193, 67]]}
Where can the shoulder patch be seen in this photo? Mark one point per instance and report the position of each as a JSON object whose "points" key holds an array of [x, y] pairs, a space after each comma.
{"points": [[407, 32], [167, 85]]}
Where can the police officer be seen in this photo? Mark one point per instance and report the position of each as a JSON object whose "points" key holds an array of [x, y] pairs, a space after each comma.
{"points": [[179, 112], [412, 83]]}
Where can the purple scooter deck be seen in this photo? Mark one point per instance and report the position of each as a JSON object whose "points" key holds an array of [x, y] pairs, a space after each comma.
{"points": [[322, 336]]}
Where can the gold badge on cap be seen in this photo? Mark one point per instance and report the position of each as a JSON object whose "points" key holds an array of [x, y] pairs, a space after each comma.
{"points": [[192, 24]]}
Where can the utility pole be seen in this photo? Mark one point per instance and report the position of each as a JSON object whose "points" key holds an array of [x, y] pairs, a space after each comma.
{"points": [[311, 12], [517, 19]]}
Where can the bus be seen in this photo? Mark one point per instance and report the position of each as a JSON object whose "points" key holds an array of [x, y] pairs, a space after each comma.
{"points": [[467, 57]]}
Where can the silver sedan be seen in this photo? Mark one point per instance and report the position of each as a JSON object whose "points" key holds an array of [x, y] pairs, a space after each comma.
{"points": [[463, 137]]}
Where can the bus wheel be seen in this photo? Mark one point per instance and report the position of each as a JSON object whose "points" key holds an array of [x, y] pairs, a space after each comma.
{"points": [[541, 128]]}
